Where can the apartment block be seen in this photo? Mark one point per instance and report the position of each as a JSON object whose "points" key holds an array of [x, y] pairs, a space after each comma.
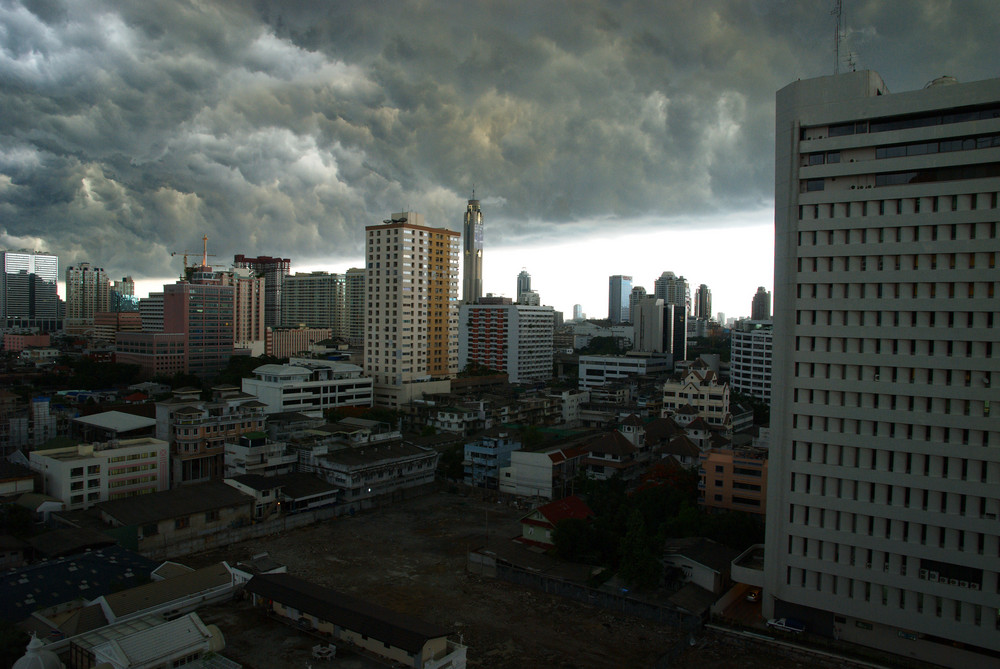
{"points": [[511, 338], [885, 459], [598, 370], [309, 386], [751, 348]]}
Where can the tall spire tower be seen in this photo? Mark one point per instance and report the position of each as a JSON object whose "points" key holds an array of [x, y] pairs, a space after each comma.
{"points": [[472, 242]]}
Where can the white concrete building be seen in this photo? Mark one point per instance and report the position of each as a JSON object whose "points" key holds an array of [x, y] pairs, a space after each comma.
{"points": [[597, 370], [751, 346], [412, 305], [87, 474], [512, 338], [255, 454], [700, 389], [570, 402], [885, 460], [309, 385]]}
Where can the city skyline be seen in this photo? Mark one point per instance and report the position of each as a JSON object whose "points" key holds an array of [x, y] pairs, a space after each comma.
{"points": [[285, 131]]}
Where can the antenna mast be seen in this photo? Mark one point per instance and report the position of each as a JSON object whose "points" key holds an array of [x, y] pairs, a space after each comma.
{"points": [[838, 11]]}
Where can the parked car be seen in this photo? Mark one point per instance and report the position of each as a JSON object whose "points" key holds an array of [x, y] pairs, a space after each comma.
{"points": [[753, 594], [786, 625]]}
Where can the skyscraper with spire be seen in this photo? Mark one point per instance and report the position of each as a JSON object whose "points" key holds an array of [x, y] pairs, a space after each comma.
{"points": [[472, 242]]}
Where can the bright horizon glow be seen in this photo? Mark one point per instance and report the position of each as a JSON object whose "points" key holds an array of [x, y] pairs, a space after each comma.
{"points": [[732, 255]]}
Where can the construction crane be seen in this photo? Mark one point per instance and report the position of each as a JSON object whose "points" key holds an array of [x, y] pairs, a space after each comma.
{"points": [[205, 254]]}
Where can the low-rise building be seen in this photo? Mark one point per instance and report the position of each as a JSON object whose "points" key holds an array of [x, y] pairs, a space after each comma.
{"points": [[611, 454], [700, 561], [309, 386], [253, 453], [597, 370], [87, 474], [570, 403], [285, 494], [486, 455], [733, 480], [538, 525], [700, 389], [168, 518], [391, 636], [172, 643], [546, 473], [288, 342]]}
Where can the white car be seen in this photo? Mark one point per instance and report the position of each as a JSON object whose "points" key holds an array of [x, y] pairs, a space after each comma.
{"points": [[786, 625]]}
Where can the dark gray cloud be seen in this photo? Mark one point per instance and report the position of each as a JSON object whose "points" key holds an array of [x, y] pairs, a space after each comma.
{"points": [[131, 129]]}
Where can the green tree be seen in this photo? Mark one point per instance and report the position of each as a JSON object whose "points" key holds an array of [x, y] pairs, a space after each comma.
{"points": [[573, 539], [640, 566]]}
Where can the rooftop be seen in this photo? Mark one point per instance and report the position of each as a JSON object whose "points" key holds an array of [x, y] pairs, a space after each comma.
{"points": [[117, 421], [182, 501]]}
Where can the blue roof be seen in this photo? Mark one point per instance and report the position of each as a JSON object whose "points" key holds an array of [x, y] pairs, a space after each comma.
{"points": [[87, 575]]}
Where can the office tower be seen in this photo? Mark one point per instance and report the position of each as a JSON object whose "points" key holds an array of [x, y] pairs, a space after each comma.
{"points": [[122, 297], [28, 293], [88, 292], [523, 282], [751, 348], [675, 318], [354, 298], [761, 308], [703, 302], [249, 294], [274, 270], [472, 242], [647, 326], [530, 298], [619, 291], [151, 312], [672, 289], [885, 461], [577, 312], [315, 299], [511, 338], [412, 310], [634, 298], [721, 318]]}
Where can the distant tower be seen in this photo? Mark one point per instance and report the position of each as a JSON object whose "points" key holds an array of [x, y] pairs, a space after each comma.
{"points": [[274, 271], [577, 312], [634, 298], [761, 308], [619, 292], [672, 289], [87, 293], [523, 282], [703, 302], [472, 242]]}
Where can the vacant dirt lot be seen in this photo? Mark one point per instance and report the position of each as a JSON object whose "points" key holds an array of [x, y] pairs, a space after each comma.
{"points": [[411, 558]]}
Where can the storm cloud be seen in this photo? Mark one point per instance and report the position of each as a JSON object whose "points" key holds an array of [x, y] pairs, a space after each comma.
{"points": [[131, 129]]}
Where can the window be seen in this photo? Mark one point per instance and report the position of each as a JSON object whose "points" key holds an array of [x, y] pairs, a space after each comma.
{"points": [[182, 523]]}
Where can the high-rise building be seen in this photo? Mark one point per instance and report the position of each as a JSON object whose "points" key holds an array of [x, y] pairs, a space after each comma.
{"points": [[703, 302], [315, 299], [619, 292], [577, 312], [28, 290], [634, 298], [672, 289], [523, 282], [511, 338], [884, 474], [151, 312], [660, 328], [760, 310], [751, 348], [274, 271], [88, 292], [248, 308], [354, 299], [472, 242], [412, 305], [122, 297]]}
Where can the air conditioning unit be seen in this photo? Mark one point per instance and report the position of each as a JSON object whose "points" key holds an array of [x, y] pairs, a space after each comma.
{"points": [[952, 581], [974, 586], [963, 584], [922, 574], [932, 576]]}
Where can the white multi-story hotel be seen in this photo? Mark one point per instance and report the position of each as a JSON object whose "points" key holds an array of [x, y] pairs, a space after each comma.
{"points": [[884, 481], [751, 346], [512, 338], [412, 305], [87, 474], [309, 385]]}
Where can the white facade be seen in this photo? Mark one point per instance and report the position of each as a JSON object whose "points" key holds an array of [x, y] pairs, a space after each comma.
{"points": [[750, 359], [885, 460], [412, 302], [87, 474], [700, 389], [309, 385], [512, 338], [255, 454], [570, 402], [597, 370]]}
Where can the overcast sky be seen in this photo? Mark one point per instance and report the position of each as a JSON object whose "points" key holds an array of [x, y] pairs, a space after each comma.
{"points": [[602, 137]]}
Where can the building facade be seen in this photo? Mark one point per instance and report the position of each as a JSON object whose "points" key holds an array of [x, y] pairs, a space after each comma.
{"points": [[882, 509], [248, 308], [703, 303], [354, 299], [598, 370], [28, 293], [87, 474], [512, 338], [412, 304], [274, 271], [317, 300], [472, 243], [309, 385], [760, 309], [673, 289], [88, 292], [619, 296], [751, 348]]}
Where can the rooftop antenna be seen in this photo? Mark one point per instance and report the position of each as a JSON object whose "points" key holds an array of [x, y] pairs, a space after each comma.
{"points": [[838, 11], [473, 191]]}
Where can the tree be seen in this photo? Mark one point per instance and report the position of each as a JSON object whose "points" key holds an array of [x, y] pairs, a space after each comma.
{"points": [[640, 565], [573, 539]]}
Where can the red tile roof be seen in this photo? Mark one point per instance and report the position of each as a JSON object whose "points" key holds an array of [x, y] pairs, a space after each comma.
{"points": [[562, 509]]}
